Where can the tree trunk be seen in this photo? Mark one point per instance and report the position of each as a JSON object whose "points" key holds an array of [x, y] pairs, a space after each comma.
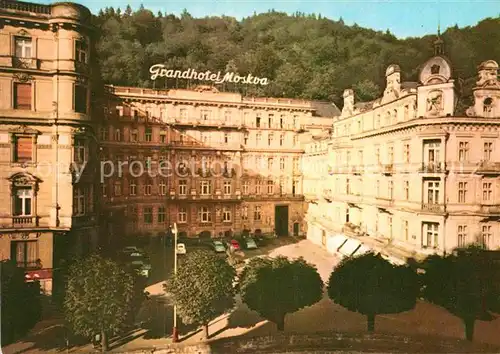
{"points": [[370, 322], [104, 342], [280, 322], [469, 328], [205, 331]]}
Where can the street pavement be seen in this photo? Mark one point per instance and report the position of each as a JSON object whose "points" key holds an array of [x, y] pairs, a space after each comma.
{"points": [[425, 319]]}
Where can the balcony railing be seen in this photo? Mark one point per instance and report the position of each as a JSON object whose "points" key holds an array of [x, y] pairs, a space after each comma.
{"points": [[432, 167], [387, 169], [24, 221], [490, 208], [25, 7], [434, 208], [488, 167], [25, 63]]}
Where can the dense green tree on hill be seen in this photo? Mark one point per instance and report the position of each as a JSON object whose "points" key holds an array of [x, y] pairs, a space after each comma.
{"points": [[304, 56]]}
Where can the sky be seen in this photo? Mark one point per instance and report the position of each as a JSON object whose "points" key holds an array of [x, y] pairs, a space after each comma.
{"points": [[403, 18]]}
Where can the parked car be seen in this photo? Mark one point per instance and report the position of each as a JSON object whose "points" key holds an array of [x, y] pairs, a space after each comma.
{"points": [[218, 246], [233, 245], [181, 248], [131, 249], [249, 243], [140, 262]]}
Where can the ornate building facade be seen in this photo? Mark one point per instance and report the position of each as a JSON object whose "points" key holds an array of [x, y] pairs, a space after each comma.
{"points": [[409, 168], [215, 163], [46, 177]]}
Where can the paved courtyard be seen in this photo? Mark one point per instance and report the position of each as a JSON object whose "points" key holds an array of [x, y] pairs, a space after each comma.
{"points": [[425, 319]]}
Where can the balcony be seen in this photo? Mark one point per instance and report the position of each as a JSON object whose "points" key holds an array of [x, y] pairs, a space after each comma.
{"points": [[83, 220], [25, 63], [490, 208], [384, 201], [327, 194], [434, 208], [24, 221], [387, 169], [432, 167], [488, 168], [25, 7]]}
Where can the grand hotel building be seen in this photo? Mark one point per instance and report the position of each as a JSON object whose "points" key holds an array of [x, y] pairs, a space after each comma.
{"points": [[409, 169], [58, 128]]}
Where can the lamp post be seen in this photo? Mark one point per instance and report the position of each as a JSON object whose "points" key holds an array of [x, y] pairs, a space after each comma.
{"points": [[175, 334]]}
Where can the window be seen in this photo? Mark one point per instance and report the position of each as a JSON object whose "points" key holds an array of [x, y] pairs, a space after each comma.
{"points": [[257, 213], [23, 47], [270, 139], [161, 214], [377, 188], [227, 117], [132, 188], [226, 214], [245, 138], [118, 189], [391, 189], [377, 154], [79, 150], [431, 235], [390, 154], [432, 192], [182, 215], [295, 187], [23, 149], [205, 115], [227, 187], [270, 121], [257, 122], [270, 163], [407, 190], [406, 230], [406, 112], [25, 254], [148, 215], [81, 51], [162, 188], [347, 186], [244, 213], [462, 235], [270, 187], [487, 150], [282, 163], [183, 113], [282, 139], [258, 187], [226, 138], [205, 215], [22, 96], [258, 138], [462, 192], [148, 188], [389, 222], [486, 236], [463, 151], [377, 122], [163, 138], [245, 187], [23, 200], [487, 191], [406, 153], [80, 99], [133, 136], [182, 187], [148, 134], [295, 122], [296, 164], [205, 187], [282, 122], [103, 133], [487, 105], [295, 140]]}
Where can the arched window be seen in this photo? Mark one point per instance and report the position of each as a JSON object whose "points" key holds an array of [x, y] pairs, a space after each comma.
{"points": [[487, 105]]}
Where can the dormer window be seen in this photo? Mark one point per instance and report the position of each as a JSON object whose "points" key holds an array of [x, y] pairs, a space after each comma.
{"points": [[435, 69], [487, 105], [23, 47]]}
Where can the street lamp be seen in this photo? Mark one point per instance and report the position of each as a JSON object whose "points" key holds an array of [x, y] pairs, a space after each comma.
{"points": [[175, 334]]}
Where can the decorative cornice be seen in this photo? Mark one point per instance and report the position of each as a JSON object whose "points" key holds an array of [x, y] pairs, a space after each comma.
{"points": [[22, 77]]}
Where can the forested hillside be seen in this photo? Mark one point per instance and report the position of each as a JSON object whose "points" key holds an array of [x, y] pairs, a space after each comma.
{"points": [[304, 56]]}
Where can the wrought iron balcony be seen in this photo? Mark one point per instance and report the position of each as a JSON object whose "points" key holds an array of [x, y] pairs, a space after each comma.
{"points": [[25, 63], [387, 169], [488, 168], [434, 208], [432, 167]]}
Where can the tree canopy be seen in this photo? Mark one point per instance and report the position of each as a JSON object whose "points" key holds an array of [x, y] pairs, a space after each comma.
{"points": [[304, 56], [371, 285], [465, 283], [100, 296], [203, 288], [274, 287]]}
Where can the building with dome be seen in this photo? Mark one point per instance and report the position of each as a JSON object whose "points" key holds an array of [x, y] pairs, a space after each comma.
{"points": [[409, 170]]}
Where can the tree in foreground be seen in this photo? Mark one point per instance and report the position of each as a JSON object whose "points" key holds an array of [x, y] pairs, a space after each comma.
{"points": [[274, 287], [100, 295], [371, 285], [203, 288], [21, 302], [464, 283]]}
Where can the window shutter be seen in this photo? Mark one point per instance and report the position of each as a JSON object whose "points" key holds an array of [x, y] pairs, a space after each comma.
{"points": [[22, 96], [24, 149]]}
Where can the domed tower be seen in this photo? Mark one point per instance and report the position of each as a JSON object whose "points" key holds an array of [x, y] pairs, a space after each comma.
{"points": [[486, 92], [436, 93]]}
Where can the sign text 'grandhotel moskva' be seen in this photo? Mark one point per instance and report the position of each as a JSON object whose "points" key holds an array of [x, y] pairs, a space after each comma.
{"points": [[159, 70]]}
